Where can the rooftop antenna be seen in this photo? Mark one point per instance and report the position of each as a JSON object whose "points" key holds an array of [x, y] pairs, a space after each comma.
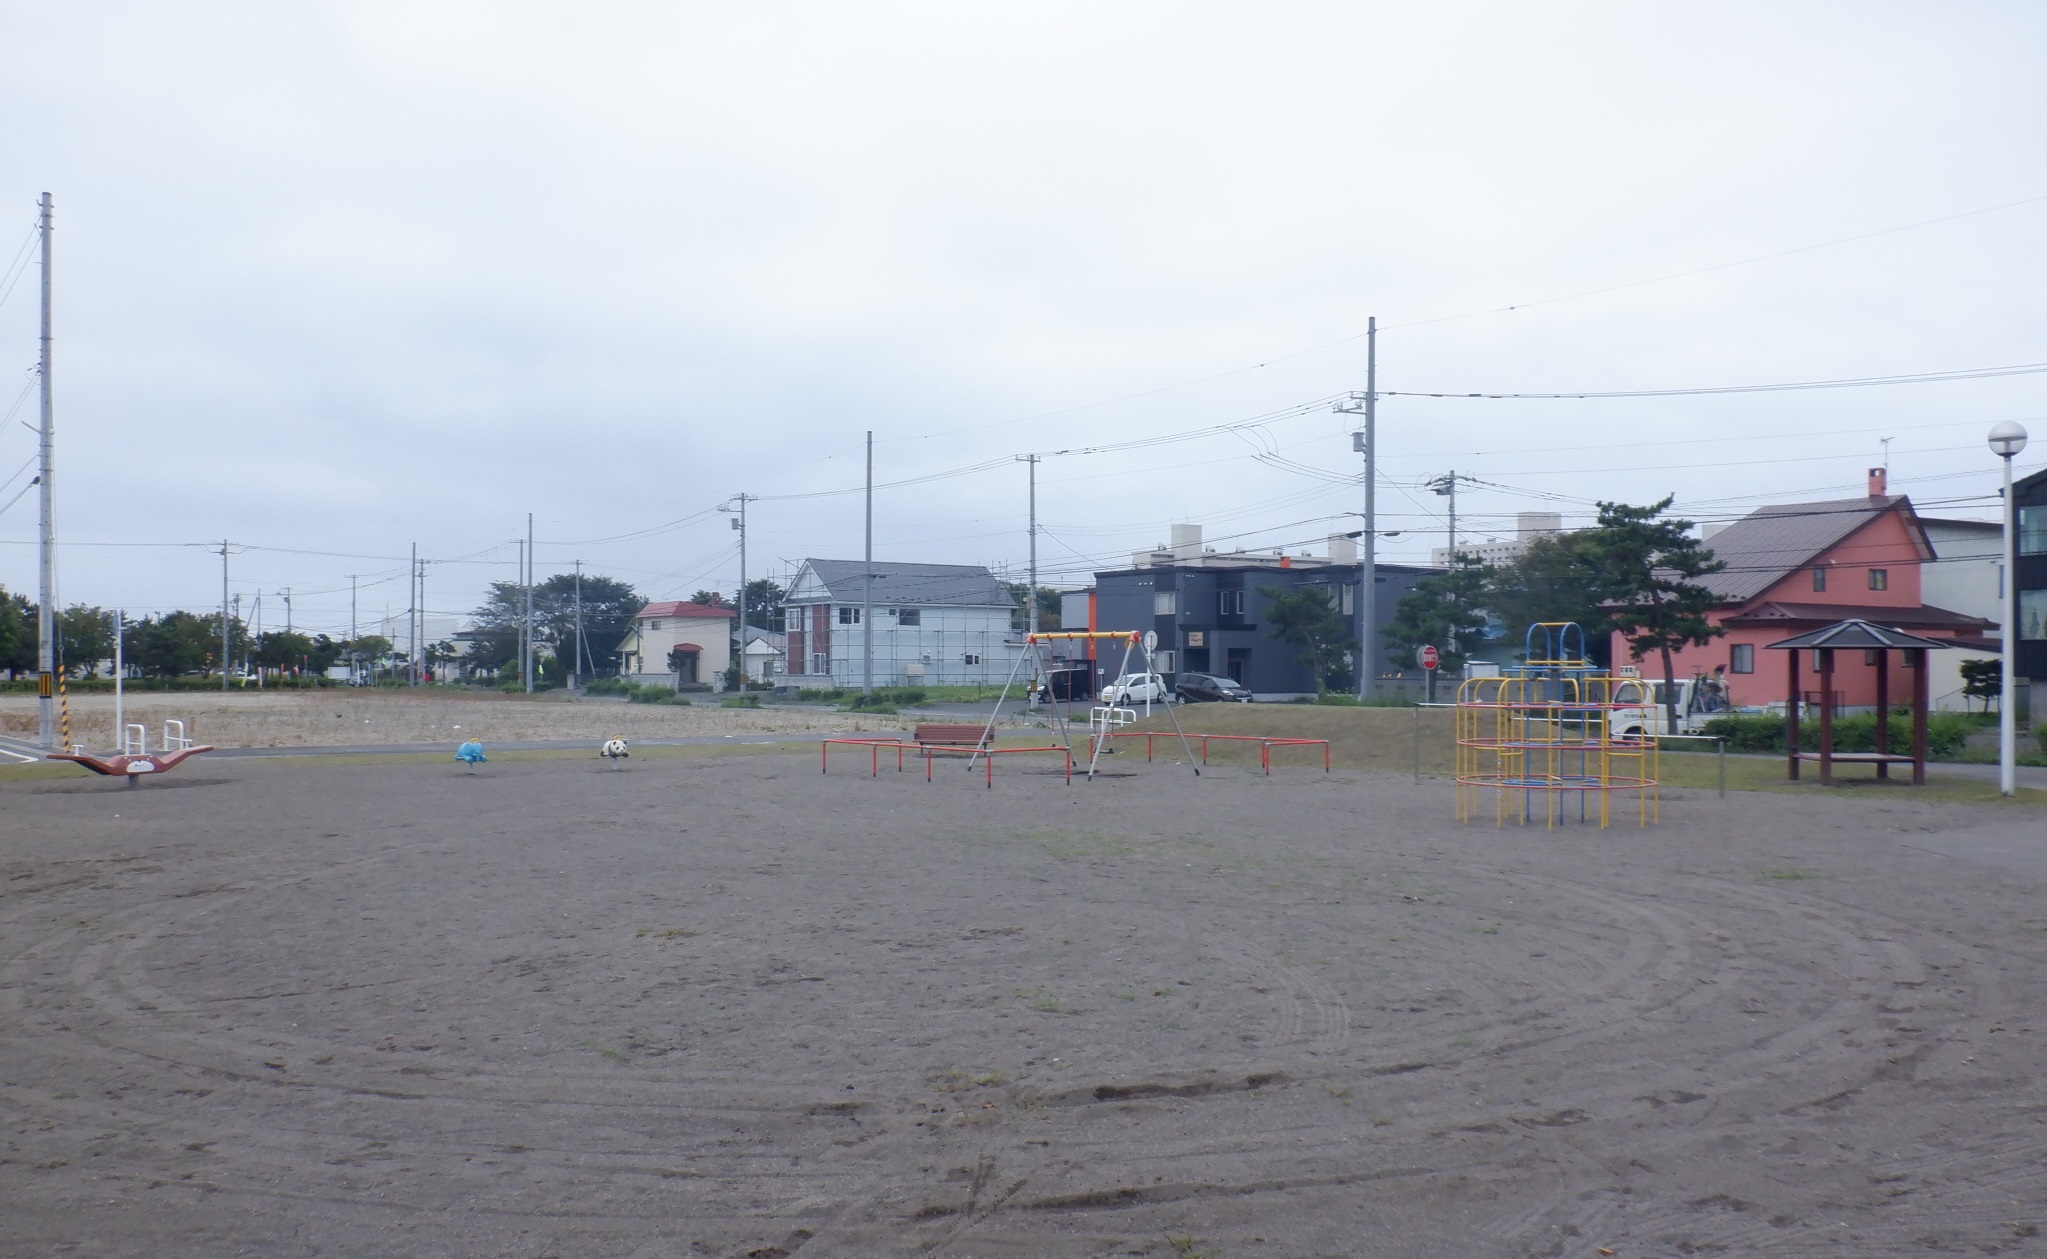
{"points": [[1885, 442]]}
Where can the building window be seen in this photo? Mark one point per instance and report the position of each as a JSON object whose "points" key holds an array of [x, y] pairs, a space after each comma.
{"points": [[1819, 579], [909, 616], [820, 662], [2033, 530], [1165, 603], [973, 658], [1741, 658], [1230, 602], [1879, 579], [2033, 614], [653, 625], [849, 616], [1162, 661]]}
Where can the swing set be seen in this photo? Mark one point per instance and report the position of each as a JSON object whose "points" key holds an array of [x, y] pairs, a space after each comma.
{"points": [[1103, 720]]}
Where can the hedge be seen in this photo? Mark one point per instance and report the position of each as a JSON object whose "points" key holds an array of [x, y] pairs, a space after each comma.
{"points": [[1945, 732]]}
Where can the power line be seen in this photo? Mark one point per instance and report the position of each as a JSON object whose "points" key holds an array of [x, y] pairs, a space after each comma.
{"points": [[1854, 382]]}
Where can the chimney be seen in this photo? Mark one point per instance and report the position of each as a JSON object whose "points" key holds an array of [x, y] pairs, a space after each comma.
{"points": [[1877, 478]]}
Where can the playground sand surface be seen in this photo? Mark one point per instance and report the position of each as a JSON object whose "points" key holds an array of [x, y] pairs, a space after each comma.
{"points": [[340, 718], [723, 1006]]}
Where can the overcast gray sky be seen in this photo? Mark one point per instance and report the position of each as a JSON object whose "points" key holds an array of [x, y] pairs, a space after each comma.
{"points": [[342, 278]]}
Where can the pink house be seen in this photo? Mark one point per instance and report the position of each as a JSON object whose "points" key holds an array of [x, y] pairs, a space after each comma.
{"points": [[1795, 567]]}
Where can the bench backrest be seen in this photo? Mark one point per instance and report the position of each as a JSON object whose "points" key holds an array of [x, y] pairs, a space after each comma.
{"points": [[941, 733]]}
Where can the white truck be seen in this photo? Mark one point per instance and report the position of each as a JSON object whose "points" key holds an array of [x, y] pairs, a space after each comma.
{"points": [[1699, 700]]}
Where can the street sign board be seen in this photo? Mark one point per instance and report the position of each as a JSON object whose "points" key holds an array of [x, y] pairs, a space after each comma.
{"points": [[1430, 657]]}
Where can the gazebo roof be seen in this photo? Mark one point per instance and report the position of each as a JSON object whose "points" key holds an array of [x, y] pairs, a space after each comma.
{"points": [[1856, 632]]}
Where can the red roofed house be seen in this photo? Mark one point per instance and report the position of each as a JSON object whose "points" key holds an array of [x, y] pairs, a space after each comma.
{"points": [[1796, 567], [702, 632]]}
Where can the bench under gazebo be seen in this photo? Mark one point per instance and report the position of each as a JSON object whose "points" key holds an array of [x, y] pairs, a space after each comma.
{"points": [[1859, 635]]}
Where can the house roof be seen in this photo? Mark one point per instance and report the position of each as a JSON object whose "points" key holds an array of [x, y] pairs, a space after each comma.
{"points": [[1922, 617], [1853, 633], [1769, 542], [680, 610], [956, 585]]}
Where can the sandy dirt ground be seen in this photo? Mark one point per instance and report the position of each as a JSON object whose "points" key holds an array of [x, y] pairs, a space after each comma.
{"points": [[339, 718], [724, 1006]]}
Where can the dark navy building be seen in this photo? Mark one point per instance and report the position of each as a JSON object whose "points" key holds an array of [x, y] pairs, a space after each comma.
{"points": [[1209, 609]]}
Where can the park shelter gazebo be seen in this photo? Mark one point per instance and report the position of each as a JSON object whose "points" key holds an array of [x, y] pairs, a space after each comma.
{"points": [[1879, 642]]}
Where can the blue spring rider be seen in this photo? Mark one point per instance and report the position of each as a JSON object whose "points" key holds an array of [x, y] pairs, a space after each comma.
{"points": [[471, 755]]}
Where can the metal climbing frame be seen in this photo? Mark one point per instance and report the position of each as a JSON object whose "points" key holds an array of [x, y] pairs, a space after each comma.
{"points": [[1034, 651], [1543, 735]]}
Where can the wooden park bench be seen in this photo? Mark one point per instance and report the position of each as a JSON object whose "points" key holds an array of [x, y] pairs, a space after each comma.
{"points": [[949, 736]]}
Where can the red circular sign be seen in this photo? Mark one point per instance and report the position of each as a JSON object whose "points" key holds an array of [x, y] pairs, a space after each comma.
{"points": [[1429, 657]]}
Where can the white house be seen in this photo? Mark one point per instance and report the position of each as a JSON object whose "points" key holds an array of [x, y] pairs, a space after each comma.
{"points": [[934, 624], [700, 632], [765, 654]]}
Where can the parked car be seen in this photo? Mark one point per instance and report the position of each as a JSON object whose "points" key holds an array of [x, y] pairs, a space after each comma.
{"points": [[1136, 688], [1067, 684], [1206, 688]]}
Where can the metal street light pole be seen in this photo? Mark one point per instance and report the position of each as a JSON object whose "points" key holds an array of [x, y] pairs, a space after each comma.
{"points": [[867, 584], [2007, 439]]}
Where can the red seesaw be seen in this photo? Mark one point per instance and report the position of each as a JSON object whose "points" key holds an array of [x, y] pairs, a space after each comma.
{"points": [[132, 764]]}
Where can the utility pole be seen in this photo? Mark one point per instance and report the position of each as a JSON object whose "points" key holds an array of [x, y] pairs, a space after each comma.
{"points": [[425, 639], [739, 523], [867, 584], [529, 603], [1365, 442], [1031, 595], [224, 622], [287, 609], [46, 453], [354, 652], [578, 670], [258, 637], [2007, 439], [1447, 484]]}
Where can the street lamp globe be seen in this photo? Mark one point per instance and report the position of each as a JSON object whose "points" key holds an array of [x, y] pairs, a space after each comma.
{"points": [[2007, 438]]}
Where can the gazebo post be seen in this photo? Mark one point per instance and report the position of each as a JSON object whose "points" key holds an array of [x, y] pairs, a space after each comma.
{"points": [[1883, 710], [1791, 715], [1826, 716], [1920, 691]]}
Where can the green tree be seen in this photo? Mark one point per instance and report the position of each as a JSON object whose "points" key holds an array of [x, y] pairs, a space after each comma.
{"points": [[764, 604], [1306, 617], [283, 651], [1049, 603], [1983, 679], [609, 606], [17, 634], [709, 598], [1650, 567], [1447, 610], [85, 636], [179, 643], [1558, 578]]}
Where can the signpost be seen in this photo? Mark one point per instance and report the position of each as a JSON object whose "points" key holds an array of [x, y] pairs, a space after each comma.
{"points": [[1430, 658]]}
